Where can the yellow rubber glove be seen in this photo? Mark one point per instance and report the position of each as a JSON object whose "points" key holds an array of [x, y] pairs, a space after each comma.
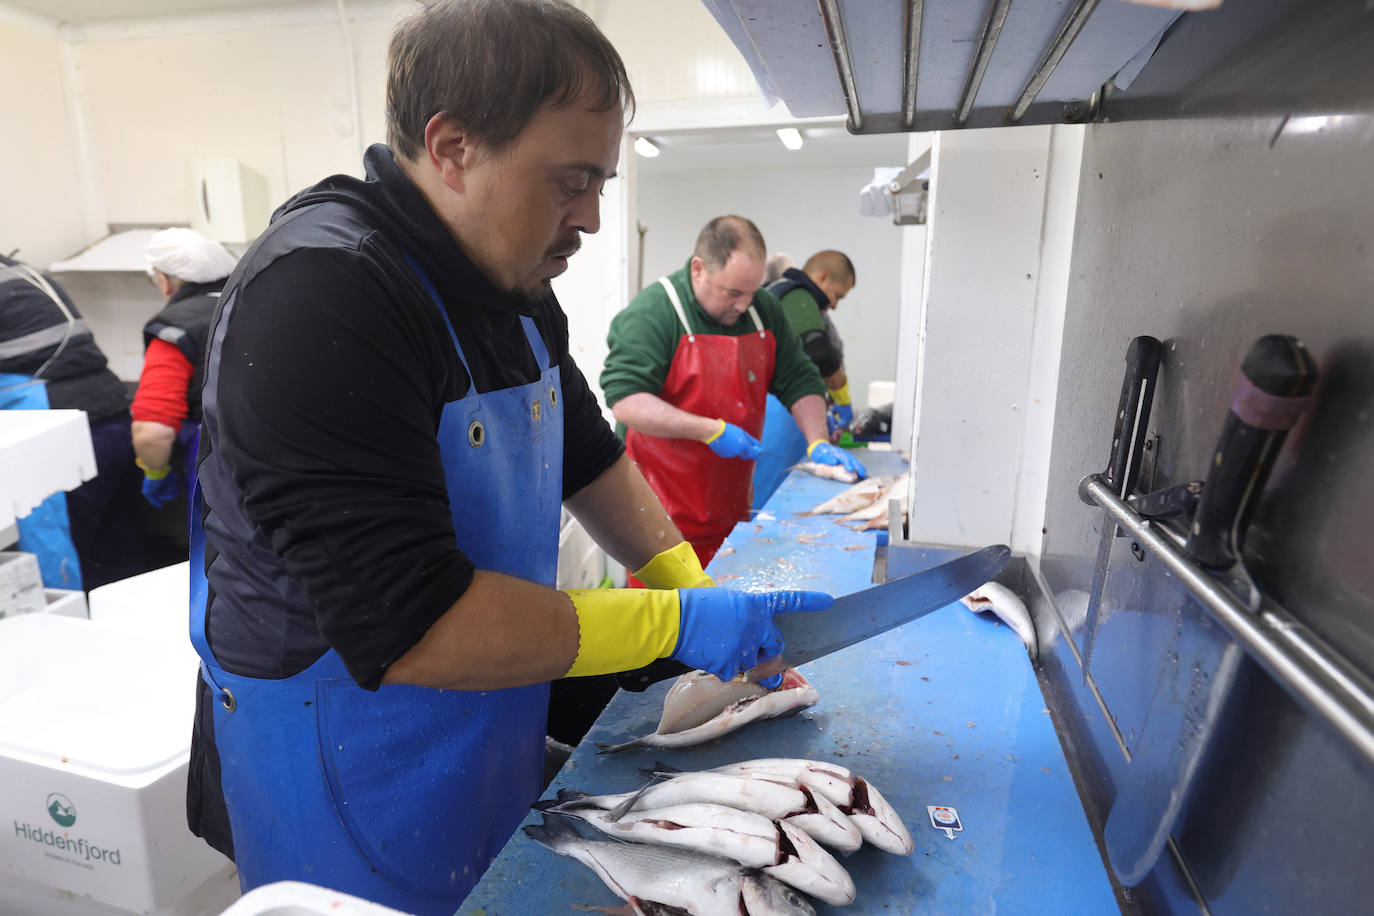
{"points": [[621, 629], [840, 395], [676, 567], [627, 628]]}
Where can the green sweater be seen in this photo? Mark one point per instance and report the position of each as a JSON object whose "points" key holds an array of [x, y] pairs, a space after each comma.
{"points": [[802, 312], [644, 337]]}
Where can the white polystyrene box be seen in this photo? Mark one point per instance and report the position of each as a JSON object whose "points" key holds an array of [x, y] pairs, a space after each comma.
{"points": [[65, 602], [95, 727], [155, 602], [294, 898], [881, 394], [21, 585]]}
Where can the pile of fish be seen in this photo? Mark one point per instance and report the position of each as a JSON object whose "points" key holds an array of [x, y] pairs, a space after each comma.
{"points": [[701, 708], [730, 840], [867, 501]]}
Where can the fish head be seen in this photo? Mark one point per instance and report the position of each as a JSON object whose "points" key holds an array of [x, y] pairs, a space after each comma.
{"points": [[761, 895]]}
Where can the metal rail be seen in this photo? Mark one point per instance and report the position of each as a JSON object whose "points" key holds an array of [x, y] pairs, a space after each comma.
{"points": [[844, 64], [1317, 676], [915, 9], [1078, 18], [992, 30]]}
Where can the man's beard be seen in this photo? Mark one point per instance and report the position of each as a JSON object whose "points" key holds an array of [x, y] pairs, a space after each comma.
{"points": [[531, 301]]}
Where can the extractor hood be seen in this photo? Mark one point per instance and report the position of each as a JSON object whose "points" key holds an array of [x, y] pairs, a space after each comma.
{"points": [[902, 65]]}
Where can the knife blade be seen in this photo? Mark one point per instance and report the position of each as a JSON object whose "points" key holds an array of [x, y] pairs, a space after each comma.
{"points": [[808, 635]]}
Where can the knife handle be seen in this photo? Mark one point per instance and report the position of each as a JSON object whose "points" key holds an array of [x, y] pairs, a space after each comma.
{"points": [[1178, 502], [1133, 413], [1277, 379], [641, 679]]}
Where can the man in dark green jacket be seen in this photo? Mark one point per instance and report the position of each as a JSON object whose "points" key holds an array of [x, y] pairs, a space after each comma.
{"points": [[688, 374]]}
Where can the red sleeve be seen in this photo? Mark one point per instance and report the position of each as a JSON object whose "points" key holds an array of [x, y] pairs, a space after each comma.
{"points": [[161, 395]]}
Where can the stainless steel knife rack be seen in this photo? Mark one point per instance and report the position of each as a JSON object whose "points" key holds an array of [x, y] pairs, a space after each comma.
{"points": [[1315, 673]]}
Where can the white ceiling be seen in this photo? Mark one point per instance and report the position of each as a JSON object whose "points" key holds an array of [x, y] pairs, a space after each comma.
{"points": [[758, 148]]}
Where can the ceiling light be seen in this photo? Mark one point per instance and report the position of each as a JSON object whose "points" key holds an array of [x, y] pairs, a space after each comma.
{"points": [[646, 147], [790, 137]]}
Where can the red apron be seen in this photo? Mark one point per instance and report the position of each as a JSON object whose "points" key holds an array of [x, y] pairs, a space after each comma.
{"points": [[711, 375]]}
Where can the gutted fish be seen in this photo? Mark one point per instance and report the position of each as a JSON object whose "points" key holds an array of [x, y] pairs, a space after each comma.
{"points": [[778, 801], [793, 694], [653, 879], [777, 848], [856, 497], [876, 819], [1003, 602], [698, 697], [828, 471]]}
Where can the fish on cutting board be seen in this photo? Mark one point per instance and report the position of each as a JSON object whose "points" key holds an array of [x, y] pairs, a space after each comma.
{"points": [[720, 710], [876, 819], [654, 878], [777, 848], [797, 805], [828, 471]]}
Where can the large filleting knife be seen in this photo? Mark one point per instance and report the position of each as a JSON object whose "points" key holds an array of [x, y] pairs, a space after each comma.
{"points": [[808, 635]]}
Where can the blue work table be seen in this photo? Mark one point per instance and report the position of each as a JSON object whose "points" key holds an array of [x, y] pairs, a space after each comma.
{"points": [[943, 711]]}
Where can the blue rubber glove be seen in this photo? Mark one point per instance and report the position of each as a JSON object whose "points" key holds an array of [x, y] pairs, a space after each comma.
{"points": [[732, 442], [163, 490], [724, 632], [845, 413], [823, 452]]}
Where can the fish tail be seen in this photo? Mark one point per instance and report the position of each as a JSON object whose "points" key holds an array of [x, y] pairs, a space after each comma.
{"points": [[554, 833]]}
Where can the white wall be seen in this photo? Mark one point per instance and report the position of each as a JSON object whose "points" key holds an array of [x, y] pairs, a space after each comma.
{"points": [[41, 211], [799, 212], [984, 235]]}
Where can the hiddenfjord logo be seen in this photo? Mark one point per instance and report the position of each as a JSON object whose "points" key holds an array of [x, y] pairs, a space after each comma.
{"points": [[61, 809], [79, 850]]}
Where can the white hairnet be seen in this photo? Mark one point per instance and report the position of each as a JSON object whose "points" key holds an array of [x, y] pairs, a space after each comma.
{"points": [[188, 255]]}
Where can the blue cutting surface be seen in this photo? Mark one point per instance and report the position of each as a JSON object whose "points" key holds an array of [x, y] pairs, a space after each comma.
{"points": [[942, 711]]}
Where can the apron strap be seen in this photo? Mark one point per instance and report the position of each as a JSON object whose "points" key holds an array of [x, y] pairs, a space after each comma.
{"points": [[677, 307], [439, 304], [536, 342], [200, 590], [758, 325]]}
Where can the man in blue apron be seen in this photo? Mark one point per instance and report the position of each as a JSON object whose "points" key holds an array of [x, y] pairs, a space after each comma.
{"points": [[391, 420], [49, 359]]}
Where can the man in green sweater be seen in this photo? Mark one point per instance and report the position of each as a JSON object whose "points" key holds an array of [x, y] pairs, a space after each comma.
{"points": [[692, 359]]}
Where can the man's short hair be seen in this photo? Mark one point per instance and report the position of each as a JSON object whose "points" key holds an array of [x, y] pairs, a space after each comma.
{"points": [[491, 65], [724, 235], [836, 262]]}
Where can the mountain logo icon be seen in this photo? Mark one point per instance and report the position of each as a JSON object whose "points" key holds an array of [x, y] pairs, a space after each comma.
{"points": [[61, 809]]}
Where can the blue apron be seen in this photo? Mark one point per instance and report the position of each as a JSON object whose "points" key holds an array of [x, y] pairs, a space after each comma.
{"points": [[783, 446], [403, 795], [45, 532]]}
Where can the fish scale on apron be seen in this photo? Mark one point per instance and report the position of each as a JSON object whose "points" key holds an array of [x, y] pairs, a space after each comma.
{"points": [[711, 375], [401, 795]]}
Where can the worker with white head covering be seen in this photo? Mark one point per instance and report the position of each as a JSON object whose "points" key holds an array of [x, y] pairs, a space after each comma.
{"points": [[190, 271]]}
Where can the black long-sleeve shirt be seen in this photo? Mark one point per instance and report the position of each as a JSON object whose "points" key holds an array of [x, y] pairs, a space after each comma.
{"points": [[333, 374]]}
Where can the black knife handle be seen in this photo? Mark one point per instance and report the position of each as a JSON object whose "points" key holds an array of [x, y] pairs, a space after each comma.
{"points": [[1277, 379], [1178, 502], [1133, 414], [641, 679]]}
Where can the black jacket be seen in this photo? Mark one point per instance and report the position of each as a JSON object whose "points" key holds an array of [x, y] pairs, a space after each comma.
{"points": [[33, 330], [184, 322]]}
